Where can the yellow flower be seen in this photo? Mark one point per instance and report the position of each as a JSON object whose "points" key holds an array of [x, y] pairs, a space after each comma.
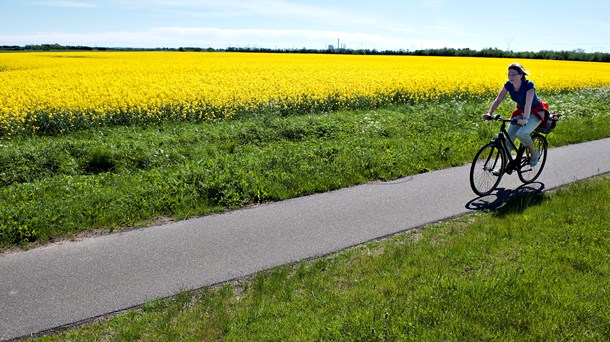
{"points": [[141, 86]]}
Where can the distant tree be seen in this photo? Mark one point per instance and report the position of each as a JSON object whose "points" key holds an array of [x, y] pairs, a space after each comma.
{"points": [[574, 55]]}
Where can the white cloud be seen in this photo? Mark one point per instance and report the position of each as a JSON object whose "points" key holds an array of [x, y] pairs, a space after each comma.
{"points": [[262, 10], [445, 27], [432, 3], [275, 37], [106, 39], [219, 38], [74, 4]]}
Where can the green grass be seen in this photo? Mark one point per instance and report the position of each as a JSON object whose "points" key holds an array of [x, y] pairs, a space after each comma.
{"points": [[110, 178], [536, 269]]}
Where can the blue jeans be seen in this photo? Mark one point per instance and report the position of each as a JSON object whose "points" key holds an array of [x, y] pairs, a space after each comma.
{"points": [[523, 133]]}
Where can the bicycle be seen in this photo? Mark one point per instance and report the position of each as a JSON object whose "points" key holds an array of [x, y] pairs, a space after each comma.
{"points": [[490, 162]]}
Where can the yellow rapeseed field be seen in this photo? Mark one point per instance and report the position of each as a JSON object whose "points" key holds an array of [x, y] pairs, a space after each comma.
{"points": [[63, 91]]}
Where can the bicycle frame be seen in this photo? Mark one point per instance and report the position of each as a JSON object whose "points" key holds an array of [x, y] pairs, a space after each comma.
{"points": [[502, 138]]}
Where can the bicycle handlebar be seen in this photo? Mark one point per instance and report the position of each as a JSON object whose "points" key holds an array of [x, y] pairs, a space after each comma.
{"points": [[497, 117]]}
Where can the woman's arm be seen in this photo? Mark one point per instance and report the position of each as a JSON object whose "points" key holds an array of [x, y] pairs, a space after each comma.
{"points": [[529, 98], [498, 100]]}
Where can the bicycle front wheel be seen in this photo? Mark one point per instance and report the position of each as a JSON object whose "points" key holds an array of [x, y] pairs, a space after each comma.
{"points": [[527, 173], [487, 169]]}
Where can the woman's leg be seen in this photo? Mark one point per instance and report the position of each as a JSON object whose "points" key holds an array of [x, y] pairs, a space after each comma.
{"points": [[524, 135]]}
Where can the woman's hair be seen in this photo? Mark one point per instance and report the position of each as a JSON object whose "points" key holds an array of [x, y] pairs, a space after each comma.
{"points": [[518, 68]]}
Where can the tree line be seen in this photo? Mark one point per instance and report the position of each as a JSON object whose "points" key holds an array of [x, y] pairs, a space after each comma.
{"points": [[574, 55]]}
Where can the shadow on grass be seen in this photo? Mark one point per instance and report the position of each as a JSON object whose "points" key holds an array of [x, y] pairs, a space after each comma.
{"points": [[508, 201]]}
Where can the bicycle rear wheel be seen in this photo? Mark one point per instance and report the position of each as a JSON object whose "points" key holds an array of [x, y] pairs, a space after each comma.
{"points": [[526, 173], [487, 169]]}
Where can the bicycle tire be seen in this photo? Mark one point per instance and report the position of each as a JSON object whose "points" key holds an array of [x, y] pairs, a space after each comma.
{"points": [[528, 174], [485, 173]]}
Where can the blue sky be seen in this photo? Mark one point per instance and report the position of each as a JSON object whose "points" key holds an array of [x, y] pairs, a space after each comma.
{"points": [[518, 25]]}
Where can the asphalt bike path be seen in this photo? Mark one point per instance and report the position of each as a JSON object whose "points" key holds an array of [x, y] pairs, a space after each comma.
{"points": [[72, 282]]}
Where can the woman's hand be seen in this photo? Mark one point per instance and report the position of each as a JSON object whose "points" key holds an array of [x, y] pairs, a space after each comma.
{"points": [[490, 116]]}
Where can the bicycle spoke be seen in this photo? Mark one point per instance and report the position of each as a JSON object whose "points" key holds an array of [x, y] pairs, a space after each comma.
{"points": [[528, 173], [486, 170]]}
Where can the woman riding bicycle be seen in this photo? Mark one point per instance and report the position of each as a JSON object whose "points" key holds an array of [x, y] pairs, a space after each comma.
{"points": [[523, 92]]}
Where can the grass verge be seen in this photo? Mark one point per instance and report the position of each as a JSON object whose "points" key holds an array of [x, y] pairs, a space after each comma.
{"points": [[106, 179], [535, 269]]}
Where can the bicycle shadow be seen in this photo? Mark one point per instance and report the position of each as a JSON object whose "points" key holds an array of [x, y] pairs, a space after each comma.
{"points": [[521, 197]]}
